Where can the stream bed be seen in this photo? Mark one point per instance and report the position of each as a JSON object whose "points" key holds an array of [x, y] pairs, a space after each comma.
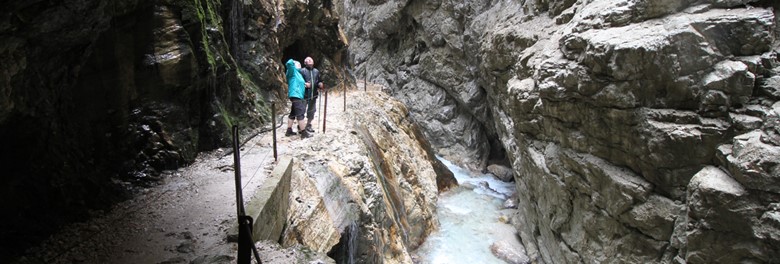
{"points": [[471, 219]]}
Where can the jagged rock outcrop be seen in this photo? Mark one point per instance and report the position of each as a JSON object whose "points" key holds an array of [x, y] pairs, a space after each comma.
{"points": [[638, 131], [375, 200], [97, 96], [407, 45]]}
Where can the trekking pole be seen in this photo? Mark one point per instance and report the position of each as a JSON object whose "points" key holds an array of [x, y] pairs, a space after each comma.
{"points": [[318, 112], [311, 94], [365, 80], [325, 109]]}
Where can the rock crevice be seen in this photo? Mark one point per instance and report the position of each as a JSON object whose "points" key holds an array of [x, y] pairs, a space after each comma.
{"points": [[611, 114]]}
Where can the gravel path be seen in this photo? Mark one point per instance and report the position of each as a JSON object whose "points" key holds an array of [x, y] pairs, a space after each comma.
{"points": [[184, 219]]}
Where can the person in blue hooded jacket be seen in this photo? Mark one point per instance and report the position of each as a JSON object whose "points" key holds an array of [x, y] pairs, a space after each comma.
{"points": [[296, 87]]}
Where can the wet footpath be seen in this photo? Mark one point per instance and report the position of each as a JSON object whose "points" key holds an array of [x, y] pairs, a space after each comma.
{"points": [[185, 218]]}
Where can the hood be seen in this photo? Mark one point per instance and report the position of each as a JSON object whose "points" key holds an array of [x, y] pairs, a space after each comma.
{"points": [[290, 64]]}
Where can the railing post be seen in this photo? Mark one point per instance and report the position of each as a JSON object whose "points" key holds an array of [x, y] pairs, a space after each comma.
{"points": [[237, 170], [246, 245], [244, 253], [273, 128], [345, 97]]}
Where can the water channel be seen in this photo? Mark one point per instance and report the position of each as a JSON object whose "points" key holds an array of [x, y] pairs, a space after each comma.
{"points": [[469, 220]]}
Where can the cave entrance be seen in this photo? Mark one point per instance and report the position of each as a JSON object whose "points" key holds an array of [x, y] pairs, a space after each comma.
{"points": [[297, 51]]}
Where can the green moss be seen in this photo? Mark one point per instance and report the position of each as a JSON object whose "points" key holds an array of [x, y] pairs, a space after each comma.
{"points": [[225, 114], [258, 103], [219, 59], [210, 21], [246, 81]]}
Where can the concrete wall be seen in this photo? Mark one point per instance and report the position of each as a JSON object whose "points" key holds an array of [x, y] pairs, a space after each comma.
{"points": [[269, 207]]}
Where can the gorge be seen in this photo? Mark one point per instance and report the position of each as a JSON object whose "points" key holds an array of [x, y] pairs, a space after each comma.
{"points": [[637, 131]]}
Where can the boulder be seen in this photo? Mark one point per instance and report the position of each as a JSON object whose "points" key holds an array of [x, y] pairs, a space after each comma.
{"points": [[501, 172], [510, 251], [376, 199], [510, 203]]}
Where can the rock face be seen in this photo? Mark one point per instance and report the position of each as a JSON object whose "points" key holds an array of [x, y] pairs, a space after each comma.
{"points": [[97, 96], [375, 200], [397, 43], [638, 131], [501, 172]]}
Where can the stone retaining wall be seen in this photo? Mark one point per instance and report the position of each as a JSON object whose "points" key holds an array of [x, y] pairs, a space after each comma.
{"points": [[269, 206]]}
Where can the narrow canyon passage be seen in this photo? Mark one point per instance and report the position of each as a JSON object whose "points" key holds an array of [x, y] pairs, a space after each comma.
{"points": [[632, 131]]}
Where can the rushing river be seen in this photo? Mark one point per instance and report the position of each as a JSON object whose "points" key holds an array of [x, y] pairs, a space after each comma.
{"points": [[469, 220]]}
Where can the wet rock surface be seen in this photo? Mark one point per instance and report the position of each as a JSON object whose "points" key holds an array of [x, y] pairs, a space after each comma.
{"points": [[341, 201], [503, 173], [366, 190], [510, 251], [637, 131], [100, 98], [607, 110]]}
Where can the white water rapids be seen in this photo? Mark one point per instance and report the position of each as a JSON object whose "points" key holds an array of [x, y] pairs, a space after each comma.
{"points": [[469, 220]]}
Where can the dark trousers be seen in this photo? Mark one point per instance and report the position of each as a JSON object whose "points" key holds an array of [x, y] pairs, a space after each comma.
{"points": [[311, 107]]}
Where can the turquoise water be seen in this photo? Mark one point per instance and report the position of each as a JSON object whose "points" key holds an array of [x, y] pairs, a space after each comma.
{"points": [[468, 220]]}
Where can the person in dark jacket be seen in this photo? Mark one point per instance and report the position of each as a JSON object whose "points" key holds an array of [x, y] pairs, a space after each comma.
{"points": [[295, 87], [313, 78]]}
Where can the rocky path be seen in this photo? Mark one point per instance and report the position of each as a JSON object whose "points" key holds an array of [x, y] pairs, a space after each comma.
{"points": [[186, 218]]}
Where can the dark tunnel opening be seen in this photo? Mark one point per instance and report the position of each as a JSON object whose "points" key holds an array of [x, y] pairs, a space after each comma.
{"points": [[297, 51]]}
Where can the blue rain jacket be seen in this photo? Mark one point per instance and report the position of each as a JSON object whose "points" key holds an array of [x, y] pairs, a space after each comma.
{"points": [[295, 83]]}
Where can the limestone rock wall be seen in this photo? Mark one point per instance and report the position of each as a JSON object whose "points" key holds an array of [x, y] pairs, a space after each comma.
{"points": [[98, 97], [419, 49], [639, 131]]}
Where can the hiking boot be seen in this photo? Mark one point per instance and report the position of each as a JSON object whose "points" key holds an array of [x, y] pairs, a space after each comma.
{"points": [[305, 134], [290, 132], [309, 129]]}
